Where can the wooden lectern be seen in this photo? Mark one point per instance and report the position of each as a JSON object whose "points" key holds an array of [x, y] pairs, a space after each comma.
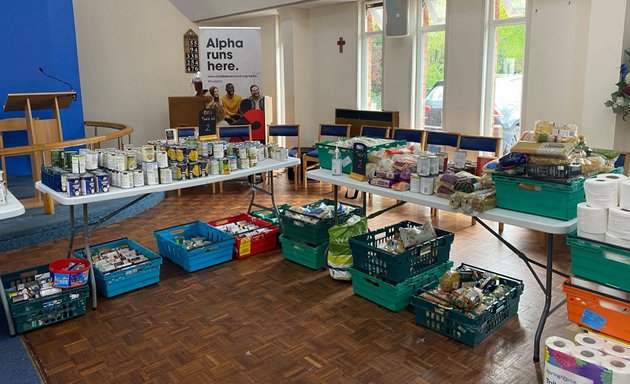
{"points": [[40, 131]]}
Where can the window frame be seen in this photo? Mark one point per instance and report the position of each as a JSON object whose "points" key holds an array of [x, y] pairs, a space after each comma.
{"points": [[421, 34], [363, 98]]}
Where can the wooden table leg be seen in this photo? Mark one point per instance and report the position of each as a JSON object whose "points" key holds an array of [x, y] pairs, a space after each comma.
{"points": [[49, 204]]}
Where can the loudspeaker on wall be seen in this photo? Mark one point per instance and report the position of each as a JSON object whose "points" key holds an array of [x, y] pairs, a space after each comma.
{"points": [[396, 18]]}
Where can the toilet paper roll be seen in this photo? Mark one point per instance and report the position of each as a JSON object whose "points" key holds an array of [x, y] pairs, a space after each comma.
{"points": [[587, 354], [620, 369], [616, 349], [589, 340], [601, 193], [624, 194], [619, 223], [614, 240], [559, 344], [592, 219], [592, 236], [618, 177]]}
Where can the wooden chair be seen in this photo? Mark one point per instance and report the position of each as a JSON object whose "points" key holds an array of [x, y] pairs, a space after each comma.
{"points": [[482, 144], [410, 134], [11, 125], [376, 132], [442, 138], [230, 131], [287, 130], [325, 130]]}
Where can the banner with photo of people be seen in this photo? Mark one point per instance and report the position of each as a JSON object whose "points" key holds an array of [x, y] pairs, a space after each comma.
{"points": [[231, 70]]}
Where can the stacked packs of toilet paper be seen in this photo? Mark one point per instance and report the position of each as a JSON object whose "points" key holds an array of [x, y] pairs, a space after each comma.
{"points": [[586, 359], [605, 216]]}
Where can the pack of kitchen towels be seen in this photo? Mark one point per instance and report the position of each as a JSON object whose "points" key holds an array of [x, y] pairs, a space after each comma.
{"points": [[587, 359]]}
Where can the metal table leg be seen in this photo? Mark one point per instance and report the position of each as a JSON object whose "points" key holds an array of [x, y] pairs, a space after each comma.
{"points": [[548, 291], [71, 235], [88, 255], [336, 199]]}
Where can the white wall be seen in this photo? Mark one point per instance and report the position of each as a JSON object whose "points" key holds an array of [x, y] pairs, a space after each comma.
{"points": [[130, 60], [197, 10]]}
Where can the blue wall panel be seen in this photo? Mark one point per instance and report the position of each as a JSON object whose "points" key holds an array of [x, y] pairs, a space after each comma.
{"points": [[33, 34]]}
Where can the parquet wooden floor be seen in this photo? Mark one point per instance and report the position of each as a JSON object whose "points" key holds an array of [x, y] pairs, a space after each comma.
{"points": [[267, 320]]}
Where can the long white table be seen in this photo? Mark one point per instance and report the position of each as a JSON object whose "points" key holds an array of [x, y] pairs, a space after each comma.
{"points": [[523, 220], [267, 165], [12, 208]]}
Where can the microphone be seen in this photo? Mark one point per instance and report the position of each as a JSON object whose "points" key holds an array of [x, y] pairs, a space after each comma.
{"points": [[65, 82]]}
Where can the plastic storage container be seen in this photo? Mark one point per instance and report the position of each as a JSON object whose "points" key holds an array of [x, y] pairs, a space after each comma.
{"points": [[270, 215], [38, 313], [218, 252], [115, 283], [247, 245], [394, 297], [600, 262], [326, 152], [395, 268], [64, 277], [317, 232], [455, 324], [311, 256], [598, 311]]}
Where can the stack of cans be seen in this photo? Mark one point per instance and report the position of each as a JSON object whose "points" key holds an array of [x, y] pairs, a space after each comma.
{"points": [[428, 168]]}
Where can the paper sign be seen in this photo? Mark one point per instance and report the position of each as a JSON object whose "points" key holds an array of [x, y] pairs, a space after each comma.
{"points": [[593, 320], [245, 247]]}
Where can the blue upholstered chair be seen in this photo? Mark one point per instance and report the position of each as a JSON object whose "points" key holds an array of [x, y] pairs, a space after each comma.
{"points": [[287, 130], [376, 132], [481, 144], [442, 139], [325, 130], [410, 134]]}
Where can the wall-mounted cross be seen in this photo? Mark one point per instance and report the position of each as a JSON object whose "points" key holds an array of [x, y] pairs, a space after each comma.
{"points": [[341, 43]]}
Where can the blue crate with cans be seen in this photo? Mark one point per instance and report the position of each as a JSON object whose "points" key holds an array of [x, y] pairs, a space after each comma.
{"points": [[215, 249], [40, 311], [369, 257], [470, 328], [132, 266], [394, 297]]}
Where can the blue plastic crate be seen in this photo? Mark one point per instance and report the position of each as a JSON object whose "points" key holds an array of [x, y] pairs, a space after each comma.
{"points": [[218, 252], [115, 283]]}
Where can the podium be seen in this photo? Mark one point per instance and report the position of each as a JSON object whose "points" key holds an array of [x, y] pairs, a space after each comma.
{"points": [[40, 131]]}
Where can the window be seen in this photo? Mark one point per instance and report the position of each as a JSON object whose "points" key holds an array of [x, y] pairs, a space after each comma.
{"points": [[505, 65], [430, 71], [371, 81]]}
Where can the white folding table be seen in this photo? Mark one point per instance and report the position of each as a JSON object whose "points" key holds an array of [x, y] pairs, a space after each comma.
{"points": [[539, 223], [12, 208], [267, 165]]}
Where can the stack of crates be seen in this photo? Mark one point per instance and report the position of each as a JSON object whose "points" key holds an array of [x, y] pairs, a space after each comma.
{"points": [[598, 293], [390, 279], [305, 241], [247, 243]]}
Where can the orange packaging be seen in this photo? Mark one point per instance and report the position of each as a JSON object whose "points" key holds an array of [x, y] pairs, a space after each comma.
{"points": [[481, 161]]}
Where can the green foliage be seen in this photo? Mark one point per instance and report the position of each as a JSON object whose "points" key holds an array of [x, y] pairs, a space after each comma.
{"points": [[620, 99]]}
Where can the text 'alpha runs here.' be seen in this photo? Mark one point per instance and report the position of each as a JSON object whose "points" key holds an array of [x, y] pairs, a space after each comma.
{"points": [[221, 49]]}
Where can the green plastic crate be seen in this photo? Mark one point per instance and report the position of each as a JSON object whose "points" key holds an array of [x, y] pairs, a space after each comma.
{"points": [[313, 257], [38, 313], [455, 324], [542, 198], [326, 152], [369, 258], [394, 297], [270, 216], [316, 233], [600, 262]]}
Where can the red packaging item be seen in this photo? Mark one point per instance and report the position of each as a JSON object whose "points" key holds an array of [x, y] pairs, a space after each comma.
{"points": [[481, 161]]}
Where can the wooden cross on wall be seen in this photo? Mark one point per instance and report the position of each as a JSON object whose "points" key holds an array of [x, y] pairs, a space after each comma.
{"points": [[341, 43]]}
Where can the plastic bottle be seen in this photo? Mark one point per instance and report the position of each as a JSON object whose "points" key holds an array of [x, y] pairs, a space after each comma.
{"points": [[337, 168]]}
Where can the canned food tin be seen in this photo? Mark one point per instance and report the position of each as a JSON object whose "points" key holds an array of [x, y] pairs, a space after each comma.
{"points": [[460, 159], [171, 152], [252, 152], [233, 163], [426, 185], [151, 177], [138, 178], [442, 162], [224, 166], [166, 175], [193, 154], [57, 157], [128, 147], [229, 149], [78, 164], [194, 170], [175, 172], [126, 179], [152, 166], [102, 182], [82, 151], [67, 158], [424, 166], [148, 153], [243, 163], [88, 187], [111, 160], [182, 171], [114, 178], [414, 183], [131, 161], [186, 153], [120, 162], [91, 160], [434, 166], [64, 181], [161, 158], [179, 154], [74, 184], [218, 150], [214, 166], [242, 152], [203, 148], [203, 165]]}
